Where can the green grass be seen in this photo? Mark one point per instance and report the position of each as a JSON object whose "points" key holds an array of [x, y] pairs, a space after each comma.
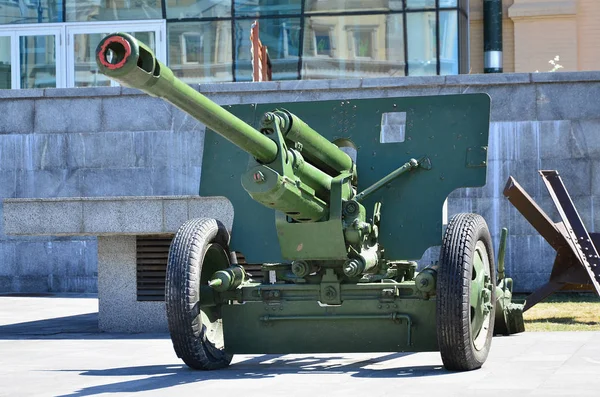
{"points": [[564, 312]]}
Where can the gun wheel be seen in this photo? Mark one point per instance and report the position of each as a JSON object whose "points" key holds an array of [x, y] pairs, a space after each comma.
{"points": [[466, 293], [199, 249]]}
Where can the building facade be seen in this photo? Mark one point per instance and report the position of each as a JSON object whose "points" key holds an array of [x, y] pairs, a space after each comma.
{"points": [[537, 31], [51, 43]]}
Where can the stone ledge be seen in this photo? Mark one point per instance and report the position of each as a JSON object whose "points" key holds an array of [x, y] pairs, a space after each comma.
{"points": [[129, 91], [109, 216], [490, 79], [216, 90], [82, 92], [22, 93], [565, 77]]}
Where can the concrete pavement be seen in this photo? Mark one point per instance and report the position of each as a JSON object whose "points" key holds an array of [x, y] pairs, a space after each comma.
{"points": [[50, 346]]}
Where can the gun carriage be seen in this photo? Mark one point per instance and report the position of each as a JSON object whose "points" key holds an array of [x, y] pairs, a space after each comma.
{"points": [[342, 276]]}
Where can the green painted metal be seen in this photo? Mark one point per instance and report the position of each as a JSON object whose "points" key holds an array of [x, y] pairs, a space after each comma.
{"points": [[315, 240], [479, 293], [409, 165], [426, 281], [502, 253], [316, 147], [332, 281], [279, 185], [442, 128], [357, 325], [509, 314], [228, 279]]}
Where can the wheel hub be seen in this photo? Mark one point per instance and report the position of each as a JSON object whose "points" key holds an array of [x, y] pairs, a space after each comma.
{"points": [[480, 296]]}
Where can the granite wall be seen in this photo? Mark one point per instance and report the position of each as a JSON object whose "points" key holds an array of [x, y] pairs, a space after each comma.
{"points": [[117, 142]]}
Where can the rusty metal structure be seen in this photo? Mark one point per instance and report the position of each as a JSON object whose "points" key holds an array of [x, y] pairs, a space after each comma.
{"points": [[577, 264]]}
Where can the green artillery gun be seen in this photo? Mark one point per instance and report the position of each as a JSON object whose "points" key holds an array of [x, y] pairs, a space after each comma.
{"points": [[329, 285]]}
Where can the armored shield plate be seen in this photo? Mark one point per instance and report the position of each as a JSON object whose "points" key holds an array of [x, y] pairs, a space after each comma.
{"points": [[450, 130]]}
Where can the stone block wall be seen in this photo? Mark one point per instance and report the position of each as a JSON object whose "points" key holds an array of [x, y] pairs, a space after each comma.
{"points": [[116, 141], [85, 143]]}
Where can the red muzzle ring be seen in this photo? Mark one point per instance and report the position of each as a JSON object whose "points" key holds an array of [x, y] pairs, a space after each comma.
{"points": [[126, 46]]}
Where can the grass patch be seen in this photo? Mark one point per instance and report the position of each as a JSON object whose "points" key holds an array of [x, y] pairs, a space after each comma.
{"points": [[564, 312]]}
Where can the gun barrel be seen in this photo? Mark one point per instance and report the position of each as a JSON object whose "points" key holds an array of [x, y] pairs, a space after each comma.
{"points": [[122, 58]]}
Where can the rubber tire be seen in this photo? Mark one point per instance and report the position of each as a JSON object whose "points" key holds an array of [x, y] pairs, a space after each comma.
{"points": [[453, 312], [182, 293]]}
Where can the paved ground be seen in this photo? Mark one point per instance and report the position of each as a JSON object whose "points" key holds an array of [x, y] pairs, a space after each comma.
{"points": [[50, 346]]}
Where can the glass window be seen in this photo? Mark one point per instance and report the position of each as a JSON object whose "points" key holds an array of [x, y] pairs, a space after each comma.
{"points": [[192, 45], [266, 7], [38, 61], [353, 46], [178, 9], [362, 43], [5, 65], [86, 70], [323, 42], [448, 42], [282, 38], [463, 43], [200, 52], [112, 10], [422, 60], [416, 4], [448, 3], [314, 6], [31, 11], [395, 45]]}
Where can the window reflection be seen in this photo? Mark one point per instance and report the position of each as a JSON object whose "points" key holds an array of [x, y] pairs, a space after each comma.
{"points": [[448, 3], [266, 7], [425, 4], [198, 9], [111, 10], [353, 46], [413, 4], [313, 6], [5, 66], [31, 11], [422, 59], [200, 51], [282, 38], [317, 42], [38, 61], [323, 42], [86, 70], [362, 43], [463, 43], [448, 42]]}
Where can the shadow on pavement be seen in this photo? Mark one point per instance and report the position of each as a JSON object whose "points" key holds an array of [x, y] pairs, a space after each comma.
{"points": [[65, 326], [80, 326], [58, 295], [158, 377]]}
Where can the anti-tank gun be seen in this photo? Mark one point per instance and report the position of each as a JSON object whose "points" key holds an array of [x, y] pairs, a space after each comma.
{"points": [[332, 287]]}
